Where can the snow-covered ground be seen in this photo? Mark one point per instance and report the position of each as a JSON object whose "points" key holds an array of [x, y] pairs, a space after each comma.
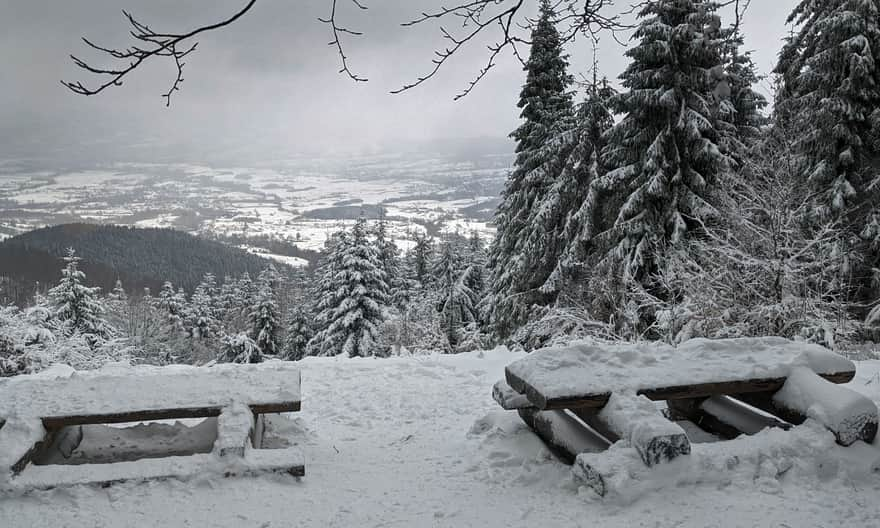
{"points": [[419, 442]]}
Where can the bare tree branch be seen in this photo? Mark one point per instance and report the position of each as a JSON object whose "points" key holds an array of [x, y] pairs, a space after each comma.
{"points": [[172, 45], [337, 30]]}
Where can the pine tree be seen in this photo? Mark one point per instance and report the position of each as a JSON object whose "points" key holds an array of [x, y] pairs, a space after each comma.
{"points": [[299, 333], [76, 305], [264, 314], [202, 319], [738, 104], [353, 297], [570, 208], [663, 157], [389, 260], [420, 257], [118, 293], [831, 88], [457, 300], [519, 258]]}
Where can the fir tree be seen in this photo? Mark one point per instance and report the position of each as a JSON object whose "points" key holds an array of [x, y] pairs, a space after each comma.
{"points": [[299, 333], [831, 87], [457, 300], [353, 297], [76, 305], [420, 257], [519, 258], [570, 209], [663, 157], [202, 317], [118, 293], [264, 314]]}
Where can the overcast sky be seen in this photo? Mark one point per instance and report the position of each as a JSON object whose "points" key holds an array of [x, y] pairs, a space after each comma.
{"points": [[269, 80]]}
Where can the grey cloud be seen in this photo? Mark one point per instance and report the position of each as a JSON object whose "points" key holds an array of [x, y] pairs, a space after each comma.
{"points": [[268, 82]]}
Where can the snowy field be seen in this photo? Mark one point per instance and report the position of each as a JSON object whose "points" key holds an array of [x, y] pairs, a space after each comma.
{"points": [[419, 441]]}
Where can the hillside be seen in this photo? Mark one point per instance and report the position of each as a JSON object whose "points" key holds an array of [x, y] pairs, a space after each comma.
{"points": [[139, 257]]}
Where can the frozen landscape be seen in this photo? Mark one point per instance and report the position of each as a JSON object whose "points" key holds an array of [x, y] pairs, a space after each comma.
{"points": [[301, 201], [490, 263], [419, 442]]}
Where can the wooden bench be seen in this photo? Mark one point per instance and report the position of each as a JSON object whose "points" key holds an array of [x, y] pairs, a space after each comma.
{"points": [[41, 410], [725, 387]]}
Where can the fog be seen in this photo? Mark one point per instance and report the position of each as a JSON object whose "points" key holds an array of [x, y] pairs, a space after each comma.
{"points": [[267, 86]]}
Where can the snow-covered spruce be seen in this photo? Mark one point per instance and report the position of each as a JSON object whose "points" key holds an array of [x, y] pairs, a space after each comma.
{"points": [[353, 293], [519, 269]]}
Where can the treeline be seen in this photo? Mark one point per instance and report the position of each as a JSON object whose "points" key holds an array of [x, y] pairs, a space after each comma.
{"points": [[365, 298], [141, 257], [693, 214]]}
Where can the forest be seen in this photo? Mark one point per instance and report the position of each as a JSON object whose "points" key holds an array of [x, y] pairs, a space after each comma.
{"points": [[682, 204]]}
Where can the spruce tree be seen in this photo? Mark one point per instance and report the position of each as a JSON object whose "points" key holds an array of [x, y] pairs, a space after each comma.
{"points": [[663, 158], [831, 88], [264, 314], [299, 333], [457, 301], [76, 305], [353, 297], [569, 209], [202, 314], [519, 259]]}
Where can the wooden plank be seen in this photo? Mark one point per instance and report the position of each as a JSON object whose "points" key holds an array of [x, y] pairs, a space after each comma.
{"points": [[846, 413], [508, 398], [564, 435], [150, 393], [636, 419], [703, 390], [288, 461], [144, 415], [723, 416]]}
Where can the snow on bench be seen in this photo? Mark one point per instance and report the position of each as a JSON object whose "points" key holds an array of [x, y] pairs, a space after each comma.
{"points": [[41, 410], [715, 384], [848, 414], [585, 374]]}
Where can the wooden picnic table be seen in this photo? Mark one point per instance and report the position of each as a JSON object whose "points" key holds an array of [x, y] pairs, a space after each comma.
{"points": [[609, 389], [41, 410]]}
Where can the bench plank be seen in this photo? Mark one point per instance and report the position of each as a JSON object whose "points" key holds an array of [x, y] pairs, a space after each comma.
{"points": [[723, 416], [562, 433]]}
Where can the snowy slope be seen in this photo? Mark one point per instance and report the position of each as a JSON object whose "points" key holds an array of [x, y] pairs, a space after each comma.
{"points": [[415, 442]]}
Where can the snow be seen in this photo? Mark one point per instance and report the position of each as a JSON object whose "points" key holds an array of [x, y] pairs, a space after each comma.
{"points": [[117, 389], [591, 368], [419, 441], [840, 410]]}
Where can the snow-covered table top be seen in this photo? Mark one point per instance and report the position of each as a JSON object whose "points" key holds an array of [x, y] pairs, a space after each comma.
{"points": [[118, 390], [583, 374]]}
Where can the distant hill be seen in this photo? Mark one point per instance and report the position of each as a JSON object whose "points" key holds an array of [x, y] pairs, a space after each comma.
{"points": [[139, 257]]}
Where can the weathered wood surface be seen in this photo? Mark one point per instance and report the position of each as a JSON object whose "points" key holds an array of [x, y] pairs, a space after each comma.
{"points": [[151, 393], [563, 434], [585, 374], [507, 398], [700, 390], [287, 461], [846, 413], [723, 416]]}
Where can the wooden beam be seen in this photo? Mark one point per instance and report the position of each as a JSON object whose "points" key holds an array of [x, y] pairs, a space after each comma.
{"points": [[636, 419], [508, 398], [846, 413], [235, 430], [145, 415], [563, 434], [723, 416], [671, 392]]}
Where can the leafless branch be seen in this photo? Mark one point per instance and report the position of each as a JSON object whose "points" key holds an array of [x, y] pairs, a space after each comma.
{"points": [[337, 41], [151, 44]]}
